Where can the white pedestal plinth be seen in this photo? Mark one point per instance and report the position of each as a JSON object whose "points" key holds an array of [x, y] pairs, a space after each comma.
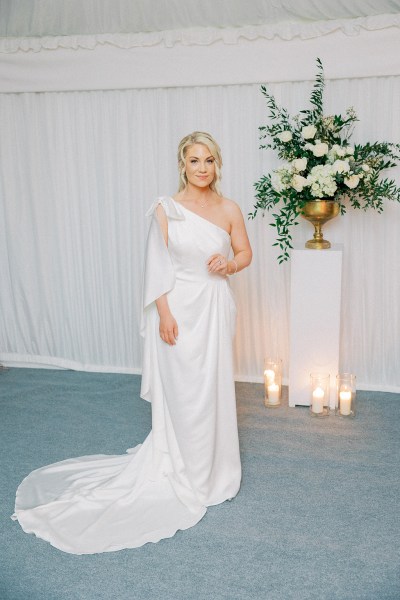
{"points": [[315, 296]]}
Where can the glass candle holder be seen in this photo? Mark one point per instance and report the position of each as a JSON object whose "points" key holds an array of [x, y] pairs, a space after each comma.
{"points": [[272, 382], [320, 388], [345, 405]]}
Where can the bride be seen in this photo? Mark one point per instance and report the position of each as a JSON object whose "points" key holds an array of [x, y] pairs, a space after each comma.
{"points": [[190, 460]]}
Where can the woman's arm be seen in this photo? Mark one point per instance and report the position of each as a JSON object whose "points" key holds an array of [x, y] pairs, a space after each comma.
{"points": [[168, 326], [242, 252], [240, 245], [162, 219]]}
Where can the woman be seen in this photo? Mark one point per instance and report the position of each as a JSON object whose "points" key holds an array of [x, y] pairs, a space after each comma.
{"points": [[190, 459]]}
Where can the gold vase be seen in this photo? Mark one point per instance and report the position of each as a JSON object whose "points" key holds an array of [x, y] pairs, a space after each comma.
{"points": [[319, 212]]}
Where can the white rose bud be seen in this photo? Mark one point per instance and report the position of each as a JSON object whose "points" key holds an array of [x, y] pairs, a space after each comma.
{"points": [[365, 168], [299, 182], [308, 132], [320, 149], [349, 150], [285, 136], [352, 181], [341, 166], [341, 152], [299, 164]]}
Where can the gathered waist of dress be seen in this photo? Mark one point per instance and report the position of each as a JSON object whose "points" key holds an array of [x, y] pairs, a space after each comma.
{"points": [[201, 278]]}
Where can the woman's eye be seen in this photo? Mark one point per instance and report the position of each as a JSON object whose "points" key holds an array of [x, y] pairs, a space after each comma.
{"points": [[210, 161]]}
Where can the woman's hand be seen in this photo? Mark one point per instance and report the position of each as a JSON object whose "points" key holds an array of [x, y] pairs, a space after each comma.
{"points": [[168, 328], [218, 264]]}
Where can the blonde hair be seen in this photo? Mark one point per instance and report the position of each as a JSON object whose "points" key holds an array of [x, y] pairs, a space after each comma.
{"points": [[199, 137]]}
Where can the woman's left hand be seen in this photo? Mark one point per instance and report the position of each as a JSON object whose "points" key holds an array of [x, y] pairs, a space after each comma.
{"points": [[218, 264]]}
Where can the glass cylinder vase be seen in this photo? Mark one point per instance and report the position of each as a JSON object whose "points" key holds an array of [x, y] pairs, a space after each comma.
{"points": [[272, 382], [345, 405], [319, 400]]}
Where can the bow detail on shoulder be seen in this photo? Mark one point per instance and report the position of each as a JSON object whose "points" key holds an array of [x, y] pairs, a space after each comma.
{"points": [[171, 209]]}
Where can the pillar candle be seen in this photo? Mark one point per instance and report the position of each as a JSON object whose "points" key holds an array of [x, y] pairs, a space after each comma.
{"points": [[273, 393], [317, 404], [345, 403]]}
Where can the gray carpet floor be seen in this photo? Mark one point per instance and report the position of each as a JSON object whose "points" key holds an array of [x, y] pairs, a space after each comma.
{"points": [[317, 516]]}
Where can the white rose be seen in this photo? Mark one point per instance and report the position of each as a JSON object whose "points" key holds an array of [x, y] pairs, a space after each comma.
{"points": [[320, 149], [285, 136], [299, 182], [299, 164], [308, 132], [365, 168], [352, 181], [340, 166], [340, 152], [349, 150]]}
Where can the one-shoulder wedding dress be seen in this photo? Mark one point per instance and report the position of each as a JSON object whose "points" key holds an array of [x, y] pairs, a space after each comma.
{"points": [[190, 459]]}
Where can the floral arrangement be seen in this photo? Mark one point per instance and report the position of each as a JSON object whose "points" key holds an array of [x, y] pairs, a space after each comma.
{"points": [[320, 164]]}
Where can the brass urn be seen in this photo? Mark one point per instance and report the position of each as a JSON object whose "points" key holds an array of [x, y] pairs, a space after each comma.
{"points": [[319, 212]]}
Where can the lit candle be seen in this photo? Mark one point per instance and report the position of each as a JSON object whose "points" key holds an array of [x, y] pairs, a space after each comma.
{"points": [[273, 393], [317, 404], [345, 403]]}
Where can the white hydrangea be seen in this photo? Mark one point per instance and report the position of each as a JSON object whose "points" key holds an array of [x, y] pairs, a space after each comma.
{"points": [[276, 182], [281, 179], [322, 181]]}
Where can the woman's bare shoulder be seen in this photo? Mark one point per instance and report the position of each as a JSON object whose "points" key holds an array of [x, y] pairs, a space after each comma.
{"points": [[231, 207]]}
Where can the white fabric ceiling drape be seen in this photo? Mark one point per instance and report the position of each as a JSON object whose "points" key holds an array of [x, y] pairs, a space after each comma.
{"points": [[79, 169], [101, 66], [285, 18]]}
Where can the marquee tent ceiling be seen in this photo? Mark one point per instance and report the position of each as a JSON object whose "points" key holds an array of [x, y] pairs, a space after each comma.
{"points": [[72, 45], [38, 18]]}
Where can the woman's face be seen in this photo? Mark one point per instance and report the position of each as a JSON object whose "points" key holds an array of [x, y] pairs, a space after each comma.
{"points": [[199, 165]]}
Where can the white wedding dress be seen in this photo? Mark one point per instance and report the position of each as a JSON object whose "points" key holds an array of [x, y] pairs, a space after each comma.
{"points": [[190, 459]]}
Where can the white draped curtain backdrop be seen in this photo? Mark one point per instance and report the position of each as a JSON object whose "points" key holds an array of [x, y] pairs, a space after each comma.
{"points": [[78, 170]]}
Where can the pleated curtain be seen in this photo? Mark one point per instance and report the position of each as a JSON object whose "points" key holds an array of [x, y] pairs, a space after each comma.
{"points": [[78, 171]]}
